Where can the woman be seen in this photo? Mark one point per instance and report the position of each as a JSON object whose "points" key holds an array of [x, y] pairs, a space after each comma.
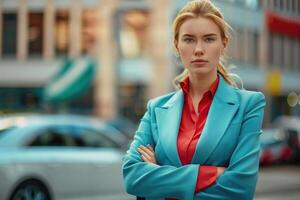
{"points": [[202, 141]]}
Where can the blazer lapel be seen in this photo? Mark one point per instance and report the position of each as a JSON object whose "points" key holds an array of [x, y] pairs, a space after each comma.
{"points": [[168, 122], [224, 106]]}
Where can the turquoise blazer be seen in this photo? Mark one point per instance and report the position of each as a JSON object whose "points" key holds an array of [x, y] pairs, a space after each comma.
{"points": [[230, 138]]}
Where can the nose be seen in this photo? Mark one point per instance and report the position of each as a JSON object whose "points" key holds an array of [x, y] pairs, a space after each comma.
{"points": [[199, 49]]}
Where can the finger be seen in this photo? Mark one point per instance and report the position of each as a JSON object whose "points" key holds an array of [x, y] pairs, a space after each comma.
{"points": [[144, 153], [146, 159], [148, 151], [150, 147], [152, 152]]}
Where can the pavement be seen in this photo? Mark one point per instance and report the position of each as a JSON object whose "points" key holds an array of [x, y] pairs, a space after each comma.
{"points": [[278, 183]]}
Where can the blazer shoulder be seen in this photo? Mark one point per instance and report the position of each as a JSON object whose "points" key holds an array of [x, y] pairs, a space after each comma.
{"points": [[250, 98], [248, 94]]}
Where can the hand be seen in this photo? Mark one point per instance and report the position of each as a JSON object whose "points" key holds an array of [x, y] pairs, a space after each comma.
{"points": [[220, 170], [147, 154]]}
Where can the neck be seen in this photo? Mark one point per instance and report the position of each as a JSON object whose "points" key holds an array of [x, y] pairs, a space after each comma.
{"points": [[201, 83]]}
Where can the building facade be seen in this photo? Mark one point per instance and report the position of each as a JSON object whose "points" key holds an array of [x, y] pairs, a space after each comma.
{"points": [[266, 50], [130, 41]]}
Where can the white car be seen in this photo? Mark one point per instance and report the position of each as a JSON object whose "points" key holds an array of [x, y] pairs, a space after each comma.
{"points": [[60, 158]]}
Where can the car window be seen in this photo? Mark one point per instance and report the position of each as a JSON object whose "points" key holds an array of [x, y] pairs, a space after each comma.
{"points": [[52, 137], [71, 136], [94, 138], [4, 130]]}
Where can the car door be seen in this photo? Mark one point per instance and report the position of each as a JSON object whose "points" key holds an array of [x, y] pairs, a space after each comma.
{"points": [[64, 163], [104, 169]]}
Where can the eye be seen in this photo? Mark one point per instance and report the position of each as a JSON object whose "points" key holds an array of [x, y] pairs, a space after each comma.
{"points": [[209, 39], [188, 40]]}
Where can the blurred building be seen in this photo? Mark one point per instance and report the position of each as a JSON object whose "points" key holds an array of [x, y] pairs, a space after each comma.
{"points": [[44, 45], [265, 50]]}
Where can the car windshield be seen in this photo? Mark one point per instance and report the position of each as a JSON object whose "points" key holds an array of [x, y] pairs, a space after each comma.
{"points": [[6, 129]]}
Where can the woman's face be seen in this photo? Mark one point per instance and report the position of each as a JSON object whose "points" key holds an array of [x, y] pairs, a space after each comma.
{"points": [[200, 45]]}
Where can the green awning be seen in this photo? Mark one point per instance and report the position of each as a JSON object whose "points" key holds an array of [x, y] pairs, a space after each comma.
{"points": [[72, 81]]}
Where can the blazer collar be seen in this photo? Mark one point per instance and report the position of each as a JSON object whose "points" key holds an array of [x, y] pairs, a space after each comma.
{"points": [[223, 108], [168, 122]]}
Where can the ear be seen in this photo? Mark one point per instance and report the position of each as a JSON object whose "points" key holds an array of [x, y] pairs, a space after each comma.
{"points": [[176, 48], [224, 42]]}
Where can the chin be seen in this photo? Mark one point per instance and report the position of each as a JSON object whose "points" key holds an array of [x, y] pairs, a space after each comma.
{"points": [[201, 71]]}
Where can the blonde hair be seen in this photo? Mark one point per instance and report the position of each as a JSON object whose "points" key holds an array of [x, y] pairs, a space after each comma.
{"points": [[202, 8]]}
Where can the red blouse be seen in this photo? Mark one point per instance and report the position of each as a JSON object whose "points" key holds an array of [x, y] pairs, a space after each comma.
{"points": [[190, 130]]}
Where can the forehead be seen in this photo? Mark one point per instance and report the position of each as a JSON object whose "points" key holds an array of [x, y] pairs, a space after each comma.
{"points": [[199, 26]]}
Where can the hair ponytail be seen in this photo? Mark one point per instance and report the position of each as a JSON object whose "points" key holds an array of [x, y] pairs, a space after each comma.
{"points": [[226, 75]]}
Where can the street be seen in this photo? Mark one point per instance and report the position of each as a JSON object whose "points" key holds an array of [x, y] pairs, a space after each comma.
{"points": [[278, 183]]}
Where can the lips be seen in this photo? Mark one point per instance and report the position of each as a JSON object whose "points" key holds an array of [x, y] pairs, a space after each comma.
{"points": [[199, 61]]}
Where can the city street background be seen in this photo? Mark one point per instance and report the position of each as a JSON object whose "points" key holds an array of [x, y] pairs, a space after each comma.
{"points": [[278, 183], [76, 76]]}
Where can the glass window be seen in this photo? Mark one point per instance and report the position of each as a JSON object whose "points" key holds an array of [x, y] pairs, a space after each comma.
{"points": [[134, 39], [71, 136], [240, 44], [287, 52], [89, 31], [233, 48], [133, 99], [276, 50], [253, 4], [270, 49], [256, 47], [35, 34], [93, 138], [62, 33], [253, 47], [20, 99], [296, 54], [51, 137], [9, 36]]}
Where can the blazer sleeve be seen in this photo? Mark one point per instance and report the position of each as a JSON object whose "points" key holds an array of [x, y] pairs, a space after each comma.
{"points": [[154, 181], [240, 178]]}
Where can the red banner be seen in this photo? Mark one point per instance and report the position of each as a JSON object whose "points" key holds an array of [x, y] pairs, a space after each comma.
{"points": [[279, 23]]}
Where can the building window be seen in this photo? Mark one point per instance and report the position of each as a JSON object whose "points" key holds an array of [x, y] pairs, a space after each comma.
{"points": [[62, 33], [253, 4], [35, 34], [240, 44], [134, 34], [287, 53], [294, 55], [276, 50], [252, 47], [89, 31], [296, 51], [255, 47], [20, 99], [133, 101], [9, 36], [233, 48]]}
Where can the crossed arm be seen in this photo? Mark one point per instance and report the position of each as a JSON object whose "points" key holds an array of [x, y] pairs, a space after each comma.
{"points": [[236, 183]]}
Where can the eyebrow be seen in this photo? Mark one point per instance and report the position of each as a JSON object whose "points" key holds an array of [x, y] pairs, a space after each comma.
{"points": [[206, 35]]}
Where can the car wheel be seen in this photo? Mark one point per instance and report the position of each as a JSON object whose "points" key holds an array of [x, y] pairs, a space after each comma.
{"points": [[30, 190]]}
